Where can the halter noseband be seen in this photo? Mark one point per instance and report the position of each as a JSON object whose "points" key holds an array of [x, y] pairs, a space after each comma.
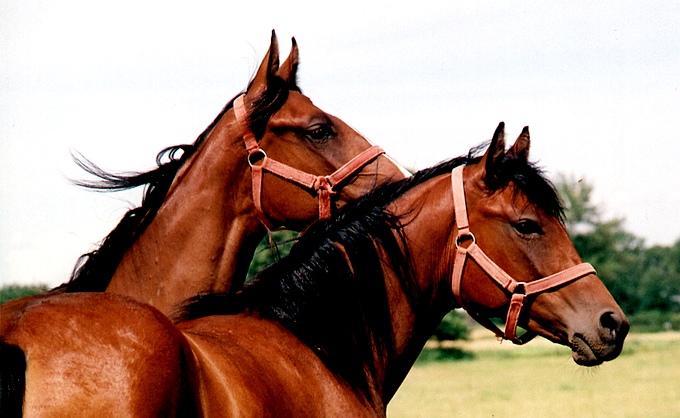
{"points": [[323, 185], [518, 291]]}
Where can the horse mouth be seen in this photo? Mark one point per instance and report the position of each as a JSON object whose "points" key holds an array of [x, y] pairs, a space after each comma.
{"points": [[582, 353]]}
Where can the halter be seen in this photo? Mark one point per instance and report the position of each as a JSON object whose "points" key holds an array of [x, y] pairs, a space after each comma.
{"points": [[322, 185], [517, 291]]}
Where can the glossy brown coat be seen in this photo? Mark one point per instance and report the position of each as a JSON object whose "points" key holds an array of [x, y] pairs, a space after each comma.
{"points": [[112, 352], [203, 236]]}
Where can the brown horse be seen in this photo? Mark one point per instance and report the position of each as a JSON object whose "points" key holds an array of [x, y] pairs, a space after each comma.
{"points": [[207, 209], [332, 329]]}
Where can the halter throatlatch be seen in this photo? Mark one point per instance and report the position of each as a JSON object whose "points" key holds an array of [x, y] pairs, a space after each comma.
{"points": [[322, 185], [517, 291]]}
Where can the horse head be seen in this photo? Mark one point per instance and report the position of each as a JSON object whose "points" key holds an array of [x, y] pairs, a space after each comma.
{"points": [[326, 160], [536, 278]]}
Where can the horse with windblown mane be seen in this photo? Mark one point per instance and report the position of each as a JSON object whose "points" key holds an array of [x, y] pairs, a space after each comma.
{"points": [[270, 159], [333, 329]]}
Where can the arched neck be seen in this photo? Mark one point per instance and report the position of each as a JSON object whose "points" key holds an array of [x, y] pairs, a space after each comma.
{"points": [[429, 233], [204, 234]]}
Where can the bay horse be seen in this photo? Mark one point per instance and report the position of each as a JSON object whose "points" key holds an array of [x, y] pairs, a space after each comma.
{"points": [[270, 159], [333, 328]]}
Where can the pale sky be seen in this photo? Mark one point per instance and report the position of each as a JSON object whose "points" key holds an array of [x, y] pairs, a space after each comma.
{"points": [[597, 83]]}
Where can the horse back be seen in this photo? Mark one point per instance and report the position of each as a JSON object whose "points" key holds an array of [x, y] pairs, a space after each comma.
{"points": [[98, 354], [248, 366]]}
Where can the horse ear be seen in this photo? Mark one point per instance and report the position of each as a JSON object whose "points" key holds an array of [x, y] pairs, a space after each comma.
{"points": [[520, 148], [491, 160], [267, 69], [288, 70]]}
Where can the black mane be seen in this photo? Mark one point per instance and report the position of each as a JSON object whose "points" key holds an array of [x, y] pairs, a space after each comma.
{"points": [[330, 290], [94, 270]]}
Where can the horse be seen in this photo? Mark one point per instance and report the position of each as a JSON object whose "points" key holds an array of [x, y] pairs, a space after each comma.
{"points": [[333, 328], [270, 159]]}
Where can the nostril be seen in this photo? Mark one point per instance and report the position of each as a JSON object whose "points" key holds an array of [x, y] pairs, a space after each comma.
{"points": [[611, 322]]}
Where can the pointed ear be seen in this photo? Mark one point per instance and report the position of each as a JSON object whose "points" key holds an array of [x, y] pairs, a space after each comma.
{"points": [[288, 70], [267, 70], [520, 149], [491, 161]]}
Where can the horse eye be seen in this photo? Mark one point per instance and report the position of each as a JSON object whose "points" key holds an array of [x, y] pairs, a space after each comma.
{"points": [[319, 133], [527, 227]]}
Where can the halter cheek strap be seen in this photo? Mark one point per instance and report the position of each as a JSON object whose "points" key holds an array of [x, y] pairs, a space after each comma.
{"points": [[517, 291], [322, 185]]}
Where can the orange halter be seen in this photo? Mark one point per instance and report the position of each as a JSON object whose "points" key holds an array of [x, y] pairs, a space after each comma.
{"points": [[323, 185], [518, 291]]}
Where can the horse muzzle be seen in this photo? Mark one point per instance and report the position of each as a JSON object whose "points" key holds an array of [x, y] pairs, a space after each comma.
{"points": [[604, 343]]}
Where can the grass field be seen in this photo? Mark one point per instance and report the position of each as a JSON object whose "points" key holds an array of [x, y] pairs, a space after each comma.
{"points": [[541, 380]]}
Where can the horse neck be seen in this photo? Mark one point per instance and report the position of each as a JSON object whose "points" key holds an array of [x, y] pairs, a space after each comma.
{"points": [[204, 234], [429, 234]]}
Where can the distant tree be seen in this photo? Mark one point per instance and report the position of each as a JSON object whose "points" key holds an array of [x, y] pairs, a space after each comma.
{"points": [[659, 282], [640, 279], [15, 291], [453, 327], [272, 248], [581, 213], [615, 253]]}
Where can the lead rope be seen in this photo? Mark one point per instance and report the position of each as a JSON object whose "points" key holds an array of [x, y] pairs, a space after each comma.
{"points": [[322, 185], [517, 291]]}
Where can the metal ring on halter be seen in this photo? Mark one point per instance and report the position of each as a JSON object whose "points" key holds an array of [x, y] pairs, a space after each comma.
{"points": [[256, 152], [520, 288], [467, 235]]}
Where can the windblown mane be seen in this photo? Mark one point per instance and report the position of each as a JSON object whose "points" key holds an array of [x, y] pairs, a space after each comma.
{"points": [[330, 290], [94, 270]]}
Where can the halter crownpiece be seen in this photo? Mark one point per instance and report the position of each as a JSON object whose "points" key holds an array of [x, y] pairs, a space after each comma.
{"points": [[322, 185], [517, 290]]}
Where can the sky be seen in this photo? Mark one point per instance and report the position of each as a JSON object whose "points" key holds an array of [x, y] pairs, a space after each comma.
{"points": [[596, 82]]}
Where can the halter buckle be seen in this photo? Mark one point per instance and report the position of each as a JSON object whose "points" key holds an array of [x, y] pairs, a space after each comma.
{"points": [[520, 288]]}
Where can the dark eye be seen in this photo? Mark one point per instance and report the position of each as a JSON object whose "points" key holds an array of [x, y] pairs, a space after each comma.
{"points": [[527, 227], [319, 133]]}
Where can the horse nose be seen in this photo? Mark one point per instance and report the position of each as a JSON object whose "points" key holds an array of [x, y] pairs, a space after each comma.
{"points": [[614, 326]]}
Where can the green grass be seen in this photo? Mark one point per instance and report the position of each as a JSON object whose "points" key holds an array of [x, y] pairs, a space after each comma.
{"points": [[541, 380]]}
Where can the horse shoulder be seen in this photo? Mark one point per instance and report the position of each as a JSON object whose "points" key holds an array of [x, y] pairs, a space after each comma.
{"points": [[97, 353], [250, 366]]}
